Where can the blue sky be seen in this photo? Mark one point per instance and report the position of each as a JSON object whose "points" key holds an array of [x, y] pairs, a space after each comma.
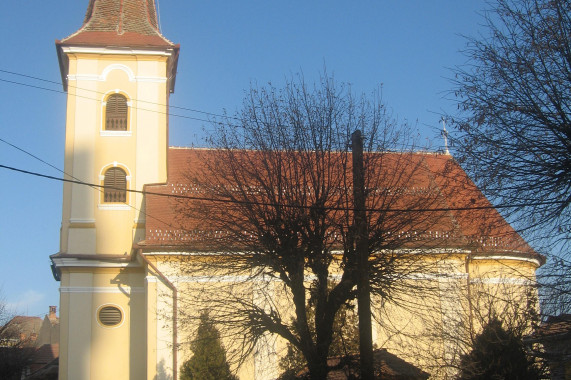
{"points": [[405, 46]]}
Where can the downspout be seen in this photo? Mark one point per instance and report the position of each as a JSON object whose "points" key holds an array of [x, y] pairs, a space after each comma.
{"points": [[469, 290], [174, 311]]}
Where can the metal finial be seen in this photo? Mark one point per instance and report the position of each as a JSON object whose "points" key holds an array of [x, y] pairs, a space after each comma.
{"points": [[445, 135]]}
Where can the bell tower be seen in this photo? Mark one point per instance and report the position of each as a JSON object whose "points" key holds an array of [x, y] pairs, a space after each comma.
{"points": [[118, 71]]}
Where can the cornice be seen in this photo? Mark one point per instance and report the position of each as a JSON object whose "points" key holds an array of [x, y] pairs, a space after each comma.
{"points": [[92, 261], [110, 50]]}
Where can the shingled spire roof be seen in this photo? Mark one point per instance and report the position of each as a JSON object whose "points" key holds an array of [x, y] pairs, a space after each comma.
{"points": [[125, 23]]}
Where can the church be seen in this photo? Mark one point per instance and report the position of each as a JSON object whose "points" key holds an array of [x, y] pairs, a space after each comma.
{"points": [[124, 305]]}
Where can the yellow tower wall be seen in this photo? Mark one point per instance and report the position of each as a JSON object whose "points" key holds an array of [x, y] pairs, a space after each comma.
{"points": [[97, 237]]}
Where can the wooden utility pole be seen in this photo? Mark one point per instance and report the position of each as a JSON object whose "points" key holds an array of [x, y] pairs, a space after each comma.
{"points": [[362, 251]]}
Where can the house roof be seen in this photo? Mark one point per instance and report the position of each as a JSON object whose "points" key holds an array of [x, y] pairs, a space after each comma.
{"points": [[45, 354], [386, 366], [48, 371], [556, 327], [125, 23], [465, 218], [24, 325]]}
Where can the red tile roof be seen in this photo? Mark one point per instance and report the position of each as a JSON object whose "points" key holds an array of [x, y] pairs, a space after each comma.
{"points": [[555, 327], [425, 176], [130, 23], [45, 354], [24, 327], [386, 366], [44, 363]]}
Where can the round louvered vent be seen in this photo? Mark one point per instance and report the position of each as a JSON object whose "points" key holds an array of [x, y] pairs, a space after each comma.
{"points": [[110, 316]]}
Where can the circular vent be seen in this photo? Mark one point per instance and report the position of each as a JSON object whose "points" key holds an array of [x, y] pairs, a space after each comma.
{"points": [[110, 316]]}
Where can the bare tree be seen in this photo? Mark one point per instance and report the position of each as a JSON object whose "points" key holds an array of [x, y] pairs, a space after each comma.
{"points": [[16, 349], [513, 125], [497, 296], [277, 208]]}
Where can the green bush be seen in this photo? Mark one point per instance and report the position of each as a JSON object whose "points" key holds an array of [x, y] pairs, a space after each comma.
{"points": [[498, 353], [208, 361]]}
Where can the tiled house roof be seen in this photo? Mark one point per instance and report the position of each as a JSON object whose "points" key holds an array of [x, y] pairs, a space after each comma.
{"points": [[130, 23], [433, 176], [23, 329], [386, 366], [43, 356], [556, 327]]}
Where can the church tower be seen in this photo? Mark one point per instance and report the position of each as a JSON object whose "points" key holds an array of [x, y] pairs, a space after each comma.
{"points": [[118, 71]]}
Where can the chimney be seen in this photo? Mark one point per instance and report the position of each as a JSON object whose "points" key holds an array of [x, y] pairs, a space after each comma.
{"points": [[52, 314]]}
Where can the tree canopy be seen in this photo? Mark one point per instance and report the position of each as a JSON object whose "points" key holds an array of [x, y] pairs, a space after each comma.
{"points": [[280, 209], [513, 125], [16, 349]]}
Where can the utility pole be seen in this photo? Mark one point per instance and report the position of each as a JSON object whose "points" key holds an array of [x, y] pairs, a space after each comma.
{"points": [[362, 251]]}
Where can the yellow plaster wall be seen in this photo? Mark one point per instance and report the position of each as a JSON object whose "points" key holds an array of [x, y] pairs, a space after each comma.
{"points": [[427, 322], [90, 350], [90, 226], [89, 149]]}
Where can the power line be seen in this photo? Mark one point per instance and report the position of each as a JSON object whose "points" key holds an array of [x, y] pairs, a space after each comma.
{"points": [[235, 201], [35, 157], [168, 113], [95, 187], [168, 106], [102, 93], [97, 100]]}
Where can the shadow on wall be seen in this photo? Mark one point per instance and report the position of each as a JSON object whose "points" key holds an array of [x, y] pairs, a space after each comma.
{"points": [[162, 372]]}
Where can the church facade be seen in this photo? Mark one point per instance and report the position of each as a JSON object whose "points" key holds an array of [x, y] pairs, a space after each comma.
{"points": [[121, 299]]}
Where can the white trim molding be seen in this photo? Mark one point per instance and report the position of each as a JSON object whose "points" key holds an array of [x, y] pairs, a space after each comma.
{"points": [[514, 257], [102, 289], [167, 52], [81, 221], [502, 280], [115, 133], [117, 66], [61, 262], [115, 164], [210, 279], [103, 77], [442, 277], [112, 206]]}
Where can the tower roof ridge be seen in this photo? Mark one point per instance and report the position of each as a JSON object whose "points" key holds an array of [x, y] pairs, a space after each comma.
{"points": [[120, 23]]}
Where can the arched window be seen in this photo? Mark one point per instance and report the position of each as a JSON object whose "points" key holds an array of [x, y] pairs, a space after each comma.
{"points": [[116, 112], [115, 185]]}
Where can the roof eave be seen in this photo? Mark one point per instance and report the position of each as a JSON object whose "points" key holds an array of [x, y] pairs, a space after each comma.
{"points": [[172, 67], [63, 64]]}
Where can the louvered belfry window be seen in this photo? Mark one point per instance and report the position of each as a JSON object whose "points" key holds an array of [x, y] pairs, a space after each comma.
{"points": [[115, 185], [116, 112]]}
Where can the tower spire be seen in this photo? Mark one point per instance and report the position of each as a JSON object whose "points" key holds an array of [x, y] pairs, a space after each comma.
{"points": [[132, 23], [112, 24]]}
